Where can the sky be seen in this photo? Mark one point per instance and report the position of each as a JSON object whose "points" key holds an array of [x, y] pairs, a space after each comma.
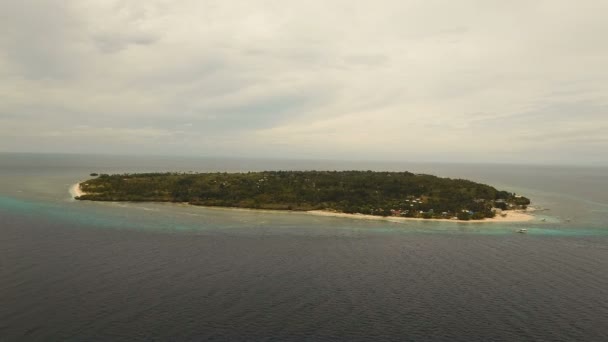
{"points": [[520, 81]]}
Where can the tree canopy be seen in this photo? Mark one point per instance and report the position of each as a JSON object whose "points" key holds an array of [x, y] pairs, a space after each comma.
{"points": [[376, 193]]}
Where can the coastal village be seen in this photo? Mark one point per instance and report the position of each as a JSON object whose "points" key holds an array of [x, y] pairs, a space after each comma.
{"points": [[412, 208]]}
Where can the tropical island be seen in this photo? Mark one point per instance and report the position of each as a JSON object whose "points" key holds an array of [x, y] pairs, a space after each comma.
{"points": [[369, 193]]}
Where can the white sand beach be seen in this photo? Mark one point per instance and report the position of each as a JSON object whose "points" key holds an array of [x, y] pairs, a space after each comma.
{"points": [[511, 216], [75, 190]]}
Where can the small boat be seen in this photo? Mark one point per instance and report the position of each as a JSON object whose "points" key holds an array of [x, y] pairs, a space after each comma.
{"points": [[522, 231]]}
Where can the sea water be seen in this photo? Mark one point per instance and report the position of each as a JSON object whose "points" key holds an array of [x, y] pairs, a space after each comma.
{"points": [[72, 270]]}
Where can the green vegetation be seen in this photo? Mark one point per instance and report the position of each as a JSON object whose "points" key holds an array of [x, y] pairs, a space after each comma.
{"points": [[376, 193]]}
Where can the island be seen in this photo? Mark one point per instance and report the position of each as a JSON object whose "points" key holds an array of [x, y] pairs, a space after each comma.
{"points": [[337, 193]]}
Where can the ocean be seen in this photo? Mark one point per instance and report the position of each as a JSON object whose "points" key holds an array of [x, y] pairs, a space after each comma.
{"points": [[87, 271]]}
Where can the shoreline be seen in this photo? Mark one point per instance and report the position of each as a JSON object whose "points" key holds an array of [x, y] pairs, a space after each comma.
{"points": [[76, 191], [511, 217]]}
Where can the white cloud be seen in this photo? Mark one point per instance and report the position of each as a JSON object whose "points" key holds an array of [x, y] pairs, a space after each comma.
{"points": [[434, 80]]}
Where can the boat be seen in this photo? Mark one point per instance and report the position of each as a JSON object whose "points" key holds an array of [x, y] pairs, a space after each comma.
{"points": [[523, 230]]}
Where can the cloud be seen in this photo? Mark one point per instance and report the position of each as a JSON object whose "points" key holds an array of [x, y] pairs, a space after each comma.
{"points": [[419, 80], [38, 39], [112, 42]]}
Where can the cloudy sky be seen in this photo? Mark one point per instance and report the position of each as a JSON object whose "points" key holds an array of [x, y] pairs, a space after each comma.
{"points": [[428, 80]]}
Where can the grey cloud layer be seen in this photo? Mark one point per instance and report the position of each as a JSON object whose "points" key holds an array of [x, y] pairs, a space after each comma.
{"points": [[422, 80]]}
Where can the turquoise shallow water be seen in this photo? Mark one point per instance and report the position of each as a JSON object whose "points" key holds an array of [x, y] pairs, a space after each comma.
{"points": [[75, 270], [574, 204], [167, 217]]}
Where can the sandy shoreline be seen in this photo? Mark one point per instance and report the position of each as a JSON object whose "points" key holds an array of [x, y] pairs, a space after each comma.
{"points": [[512, 216], [75, 190]]}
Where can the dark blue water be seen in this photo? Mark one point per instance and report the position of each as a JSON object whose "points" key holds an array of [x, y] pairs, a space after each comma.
{"points": [[100, 271]]}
